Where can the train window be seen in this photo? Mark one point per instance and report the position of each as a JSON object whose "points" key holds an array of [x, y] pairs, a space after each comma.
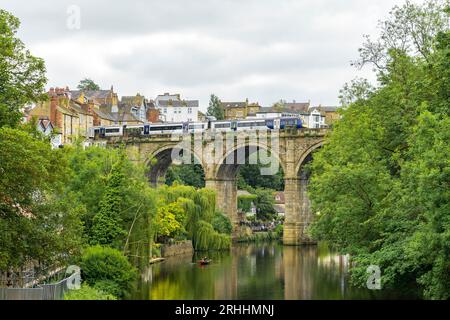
{"points": [[196, 126], [112, 130], [222, 125], [164, 128]]}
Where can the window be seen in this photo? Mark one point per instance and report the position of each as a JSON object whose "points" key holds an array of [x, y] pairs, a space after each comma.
{"points": [[189, 110], [316, 118], [165, 110]]}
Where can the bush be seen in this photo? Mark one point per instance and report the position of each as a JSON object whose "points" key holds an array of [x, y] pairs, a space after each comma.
{"points": [[108, 287], [103, 263], [221, 223], [88, 293], [279, 231]]}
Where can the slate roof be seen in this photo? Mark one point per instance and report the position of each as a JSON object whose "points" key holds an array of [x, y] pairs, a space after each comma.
{"points": [[178, 103], [327, 108], [226, 105], [91, 94]]}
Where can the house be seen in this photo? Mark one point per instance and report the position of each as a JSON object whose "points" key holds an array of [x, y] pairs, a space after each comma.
{"points": [[240, 109], [99, 97], [316, 119], [136, 105], [201, 116], [60, 112], [331, 114], [46, 127], [173, 109], [153, 114], [279, 197]]}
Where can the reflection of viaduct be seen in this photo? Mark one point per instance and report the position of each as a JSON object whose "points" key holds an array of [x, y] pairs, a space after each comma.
{"points": [[220, 157]]}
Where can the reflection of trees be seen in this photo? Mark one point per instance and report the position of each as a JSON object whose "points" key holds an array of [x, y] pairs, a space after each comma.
{"points": [[253, 271], [315, 272], [257, 272]]}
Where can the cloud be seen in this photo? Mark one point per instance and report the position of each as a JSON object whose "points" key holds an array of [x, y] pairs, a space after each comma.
{"points": [[260, 49]]}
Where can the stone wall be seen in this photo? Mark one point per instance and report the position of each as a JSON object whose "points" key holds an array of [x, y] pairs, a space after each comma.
{"points": [[185, 247]]}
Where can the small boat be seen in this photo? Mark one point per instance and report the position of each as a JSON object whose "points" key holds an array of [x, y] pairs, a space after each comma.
{"points": [[204, 261]]}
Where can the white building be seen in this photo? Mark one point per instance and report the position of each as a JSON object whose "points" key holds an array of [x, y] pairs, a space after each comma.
{"points": [[315, 119], [46, 127], [173, 109]]}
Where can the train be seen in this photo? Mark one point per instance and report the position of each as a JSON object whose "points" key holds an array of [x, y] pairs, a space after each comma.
{"points": [[195, 127]]}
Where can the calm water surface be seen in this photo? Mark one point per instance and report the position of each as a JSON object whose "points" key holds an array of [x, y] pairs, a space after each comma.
{"points": [[255, 271]]}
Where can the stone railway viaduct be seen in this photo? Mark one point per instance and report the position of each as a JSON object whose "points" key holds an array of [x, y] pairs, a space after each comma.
{"points": [[221, 155]]}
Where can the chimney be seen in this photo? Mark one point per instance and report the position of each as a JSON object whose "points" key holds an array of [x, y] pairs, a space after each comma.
{"points": [[53, 109]]}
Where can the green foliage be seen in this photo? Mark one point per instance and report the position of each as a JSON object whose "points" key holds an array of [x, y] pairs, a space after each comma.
{"points": [[119, 205], [104, 263], [107, 226], [206, 238], [169, 220], [221, 223], [380, 186], [88, 85], [279, 231], [264, 204], [260, 237], [249, 175], [22, 76], [188, 174], [108, 287], [245, 202], [199, 209], [88, 293], [36, 223], [215, 108]]}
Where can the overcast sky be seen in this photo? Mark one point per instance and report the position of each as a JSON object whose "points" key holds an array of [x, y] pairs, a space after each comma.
{"points": [[263, 50]]}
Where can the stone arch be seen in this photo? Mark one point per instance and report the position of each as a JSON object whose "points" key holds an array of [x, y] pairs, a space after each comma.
{"points": [[307, 156], [228, 171], [224, 180], [163, 157]]}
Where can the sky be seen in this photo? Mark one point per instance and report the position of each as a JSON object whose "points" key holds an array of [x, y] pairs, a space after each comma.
{"points": [[263, 50]]}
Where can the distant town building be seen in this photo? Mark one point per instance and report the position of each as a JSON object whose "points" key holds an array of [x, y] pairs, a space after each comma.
{"points": [[240, 109], [69, 117], [331, 114], [173, 109], [46, 127]]}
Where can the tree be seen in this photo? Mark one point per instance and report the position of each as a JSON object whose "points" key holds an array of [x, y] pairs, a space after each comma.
{"points": [[215, 108], [36, 223], [169, 221], [107, 227], [380, 184], [264, 204], [22, 76], [410, 29], [88, 85], [187, 174], [249, 175]]}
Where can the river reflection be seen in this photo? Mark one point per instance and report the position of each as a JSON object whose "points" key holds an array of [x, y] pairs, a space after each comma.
{"points": [[254, 271]]}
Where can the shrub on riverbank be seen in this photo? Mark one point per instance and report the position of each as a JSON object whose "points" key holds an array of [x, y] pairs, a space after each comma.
{"points": [[88, 293], [109, 267]]}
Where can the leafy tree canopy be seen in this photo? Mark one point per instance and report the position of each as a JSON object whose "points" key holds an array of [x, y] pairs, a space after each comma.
{"points": [[88, 85], [22, 76], [380, 186]]}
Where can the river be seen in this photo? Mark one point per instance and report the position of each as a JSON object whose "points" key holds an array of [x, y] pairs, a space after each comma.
{"points": [[255, 271]]}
